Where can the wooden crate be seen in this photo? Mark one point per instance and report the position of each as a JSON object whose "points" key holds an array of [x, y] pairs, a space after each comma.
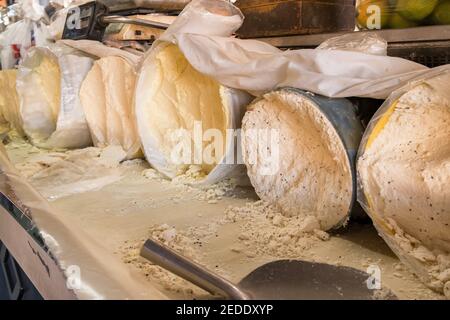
{"points": [[267, 18]]}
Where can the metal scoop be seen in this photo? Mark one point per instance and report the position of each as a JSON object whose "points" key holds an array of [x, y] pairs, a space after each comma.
{"points": [[284, 279]]}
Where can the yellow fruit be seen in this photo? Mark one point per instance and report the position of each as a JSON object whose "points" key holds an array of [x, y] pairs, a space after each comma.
{"points": [[398, 22], [416, 10], [441, 15], [373, 14]]}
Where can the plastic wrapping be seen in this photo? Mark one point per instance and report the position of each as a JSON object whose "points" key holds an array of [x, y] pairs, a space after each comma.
{"points": [[357, 42], [202, 32], [418, 232], [399, 14], [18, 38], [48, 128], [213, 18]]}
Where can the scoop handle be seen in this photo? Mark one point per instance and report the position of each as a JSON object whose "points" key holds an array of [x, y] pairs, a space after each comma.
{"points": [[172, 261]]}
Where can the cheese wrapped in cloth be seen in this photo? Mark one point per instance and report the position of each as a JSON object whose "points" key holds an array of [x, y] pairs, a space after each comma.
{"points": [[404, 176], [48, 85], [299, 149], [107, 96], [184, 117], [107, 99]]}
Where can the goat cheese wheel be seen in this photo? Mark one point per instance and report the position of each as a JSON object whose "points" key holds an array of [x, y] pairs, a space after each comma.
{"points": [[9, 101], [305, 170], [107, 98], [178, 108], [48, 85], [404, 176]]}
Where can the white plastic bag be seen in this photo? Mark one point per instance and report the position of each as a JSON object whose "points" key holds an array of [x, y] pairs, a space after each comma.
{"points": [[357, 42], [14, 42], [18, 38]]}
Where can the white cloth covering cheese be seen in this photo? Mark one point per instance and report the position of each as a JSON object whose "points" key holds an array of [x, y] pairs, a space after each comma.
{"points": [[107, 99], [310, 172], [9, 102], [172, 99], [48, 85], [203, 32], [404, 175]]}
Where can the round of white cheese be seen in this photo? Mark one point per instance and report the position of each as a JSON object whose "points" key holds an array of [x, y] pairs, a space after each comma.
{"points": [[404, 176], [183, 116], [48, 84], [107, 98], [297, 160]]}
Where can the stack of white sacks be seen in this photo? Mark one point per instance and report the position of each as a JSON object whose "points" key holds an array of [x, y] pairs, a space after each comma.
{"points": [[182, 103]]}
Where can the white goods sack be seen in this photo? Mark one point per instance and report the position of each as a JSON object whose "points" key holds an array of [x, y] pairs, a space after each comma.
{"points": [[203, 34], [48, 84], [299, 149], [183, 116], [9, 101], [404, 176]]}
